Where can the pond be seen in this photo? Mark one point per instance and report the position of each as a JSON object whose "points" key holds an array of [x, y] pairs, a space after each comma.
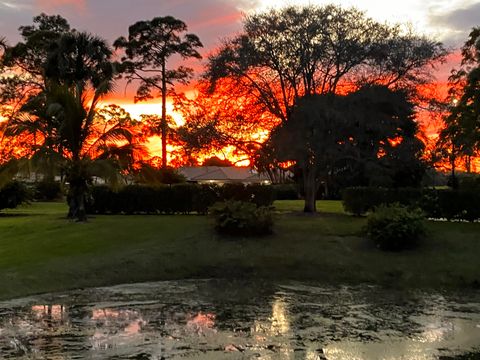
{"points": [[239, 319]]}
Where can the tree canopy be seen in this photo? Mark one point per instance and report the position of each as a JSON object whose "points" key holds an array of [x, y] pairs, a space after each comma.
{"points": [[283, 55], [330, 134]]}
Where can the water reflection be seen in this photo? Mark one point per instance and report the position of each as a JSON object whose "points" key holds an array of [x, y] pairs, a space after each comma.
{"points": [[215, 320]]}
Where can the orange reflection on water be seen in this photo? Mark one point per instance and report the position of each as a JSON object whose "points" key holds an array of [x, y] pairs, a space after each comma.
{"points": [[54, 312], [201, 323]]}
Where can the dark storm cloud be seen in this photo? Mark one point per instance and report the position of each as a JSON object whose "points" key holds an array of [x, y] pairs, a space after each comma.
{"points": [[457, 23]]}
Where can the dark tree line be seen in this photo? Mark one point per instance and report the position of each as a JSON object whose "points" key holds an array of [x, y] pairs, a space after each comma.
{"points": [[326, 88]]}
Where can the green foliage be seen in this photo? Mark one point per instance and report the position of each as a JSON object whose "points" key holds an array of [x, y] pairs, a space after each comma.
{"points": [[234, 191], [286, 191], [13, 194], [47, 190], [437, 204], [261, 195], [334, 136], [470, 183], [180, 198], [239, 218], [101, 200], [395, 227], [204, 196], [360, 200]]}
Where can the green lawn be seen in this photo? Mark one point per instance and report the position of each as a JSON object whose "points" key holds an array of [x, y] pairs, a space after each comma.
{"points": [[41, 251]]}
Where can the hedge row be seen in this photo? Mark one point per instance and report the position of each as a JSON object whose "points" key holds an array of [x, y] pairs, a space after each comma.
{"points": [[437, 204], [13, 194], [173, 199]]}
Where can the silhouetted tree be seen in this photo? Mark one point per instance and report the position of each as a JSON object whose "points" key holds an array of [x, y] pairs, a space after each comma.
{"points": [[327, 132], [283, 55], [25, 61], [461, 136], [216, 161], [286, 54], [149, 47], [77, 73]]}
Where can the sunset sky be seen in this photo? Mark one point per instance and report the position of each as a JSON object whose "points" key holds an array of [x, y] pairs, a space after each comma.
{"points": [[448, 21]]}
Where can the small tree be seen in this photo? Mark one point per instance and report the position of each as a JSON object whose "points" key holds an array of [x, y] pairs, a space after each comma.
{"points": [[149, 47]]}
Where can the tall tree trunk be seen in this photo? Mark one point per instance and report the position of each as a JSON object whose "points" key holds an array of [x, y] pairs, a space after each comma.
{"points": [[164, 117], [77, 193], [468, 164], [310, 187], [454, 181]]}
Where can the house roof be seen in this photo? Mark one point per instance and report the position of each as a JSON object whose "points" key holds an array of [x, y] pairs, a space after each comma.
{"points": [[217, 173]]}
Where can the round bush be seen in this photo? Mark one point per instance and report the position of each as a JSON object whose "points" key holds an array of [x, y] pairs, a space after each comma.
{"points": [[13, 194], [395, 227], [238, 218]]}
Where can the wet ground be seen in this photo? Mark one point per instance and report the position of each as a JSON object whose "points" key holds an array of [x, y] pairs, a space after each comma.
{"points": [[224, 319]]}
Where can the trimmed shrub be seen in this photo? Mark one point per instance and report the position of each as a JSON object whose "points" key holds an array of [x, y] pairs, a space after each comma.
{"points": [[101, 200], [451, 204], [182, 198], [13, 194], [239, 218], [395, 227], [470, 183], [47, 190], [173, 199], [204, 196], [359, 200], [234, 191], [261, 195], [285, 191], [437, 204]]}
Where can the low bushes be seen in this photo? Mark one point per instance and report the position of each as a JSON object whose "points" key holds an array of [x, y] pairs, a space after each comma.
{"points": [[47, 190], [395, 227], [286, 191], [13, 194], [451, 204], [239, 218], [174, 199], [360, 200], [438, 204]]}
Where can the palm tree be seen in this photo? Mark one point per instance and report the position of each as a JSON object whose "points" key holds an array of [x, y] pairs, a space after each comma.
{"points": [[79, 73]]}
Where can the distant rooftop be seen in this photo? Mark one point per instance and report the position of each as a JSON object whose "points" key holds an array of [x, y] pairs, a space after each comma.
{"points": [[222, 174]]}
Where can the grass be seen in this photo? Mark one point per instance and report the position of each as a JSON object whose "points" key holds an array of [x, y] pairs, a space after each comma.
{"points": [[41, 251]]}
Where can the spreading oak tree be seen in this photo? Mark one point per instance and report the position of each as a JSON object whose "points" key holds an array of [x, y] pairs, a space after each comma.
{"points": [[285, 55], [330, 135]]}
